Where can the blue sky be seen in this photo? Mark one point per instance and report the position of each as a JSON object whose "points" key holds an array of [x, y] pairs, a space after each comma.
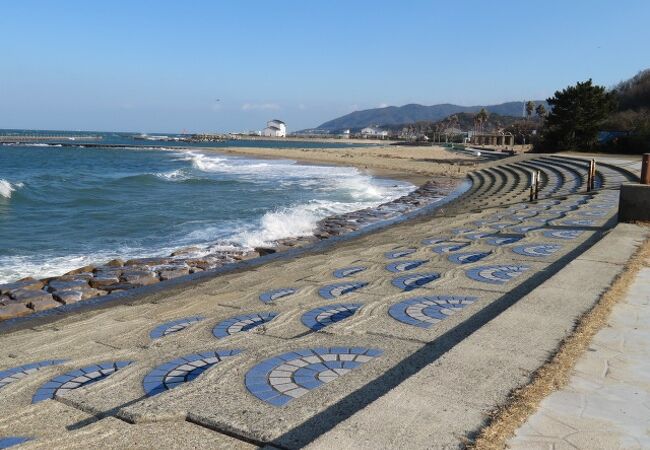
{"points": [[161, 65]]}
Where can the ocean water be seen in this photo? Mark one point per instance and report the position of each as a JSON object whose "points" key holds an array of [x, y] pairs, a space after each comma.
{"points": [[63, 207]]}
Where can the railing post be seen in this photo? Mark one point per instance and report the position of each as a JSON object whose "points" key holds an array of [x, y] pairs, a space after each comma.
{"points": [[593, 175], [537, 178], [645, 169], [533, 175]]}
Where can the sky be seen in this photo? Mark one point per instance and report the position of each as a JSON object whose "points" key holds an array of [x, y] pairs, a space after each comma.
{"points": [[216, 66]]}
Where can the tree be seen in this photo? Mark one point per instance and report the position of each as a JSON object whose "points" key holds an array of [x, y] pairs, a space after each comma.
{"points": [[530, 107], [481, 118], [576, 116], [540, 111]]}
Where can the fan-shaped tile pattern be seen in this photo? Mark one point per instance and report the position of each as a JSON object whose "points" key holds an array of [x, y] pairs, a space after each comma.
{"points": [[503, 240], [241, 323], [563, 234], [182, 370], [279, 380], [475, 236], [332, 291], [414, 281], [78, 378], [496, 274], [449, 247], [579, 222], [525, 228], [319, 318], [467, 257], [9, 376], [174, 326], [433, 240], [426, 311], [276, 294], [399, 253], [348, 271], [403, 266], [537, 250], [10, 441]]}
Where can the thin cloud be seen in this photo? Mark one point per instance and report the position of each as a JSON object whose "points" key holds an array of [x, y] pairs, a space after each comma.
{"points": [[259, 106]]}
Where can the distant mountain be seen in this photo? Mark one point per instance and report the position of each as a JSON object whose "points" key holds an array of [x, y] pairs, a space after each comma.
{"points": [[396, 115]]}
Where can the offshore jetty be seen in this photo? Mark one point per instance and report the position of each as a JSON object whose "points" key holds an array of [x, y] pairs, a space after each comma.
{"points": [[401, 336]]}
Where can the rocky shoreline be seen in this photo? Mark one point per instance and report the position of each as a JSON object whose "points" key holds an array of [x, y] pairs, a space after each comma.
{"points": [[29, 295]]}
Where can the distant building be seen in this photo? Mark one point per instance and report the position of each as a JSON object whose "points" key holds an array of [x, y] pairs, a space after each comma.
{"points": [[275, 128], [374, 132]]}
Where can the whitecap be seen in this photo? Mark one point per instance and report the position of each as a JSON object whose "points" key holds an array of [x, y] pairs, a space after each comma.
{"points": [[6, 188]]}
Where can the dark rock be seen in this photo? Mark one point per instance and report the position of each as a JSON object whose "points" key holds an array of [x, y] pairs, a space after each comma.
{"points": [[84, 276], [204, 263], [62, 285], [74, 296], [24, 284], [186, 251], [13, 310], [88, 268], [168, 274], [262, 251], [43, 304], [139, 277], [28, 295], [147, 261], [115, 263], [102, 280]]}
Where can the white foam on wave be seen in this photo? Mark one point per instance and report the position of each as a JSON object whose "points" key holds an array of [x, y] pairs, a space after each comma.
{"points": [[363, 191], [174, 175], [6, 188]]}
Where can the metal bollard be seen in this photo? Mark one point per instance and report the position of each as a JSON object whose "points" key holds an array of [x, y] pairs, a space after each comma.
{"points": [[533, 181], [537, 178], [645, 169]]}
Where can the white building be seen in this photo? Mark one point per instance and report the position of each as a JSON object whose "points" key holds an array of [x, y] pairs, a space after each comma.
{"points": [[275, 128], [374, 132]]}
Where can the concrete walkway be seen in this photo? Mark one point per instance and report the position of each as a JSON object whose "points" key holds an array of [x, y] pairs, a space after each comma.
{"points": [[607, 402]]}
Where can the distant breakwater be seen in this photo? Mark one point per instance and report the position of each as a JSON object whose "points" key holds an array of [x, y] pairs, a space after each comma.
{"points": [[29, 295]]}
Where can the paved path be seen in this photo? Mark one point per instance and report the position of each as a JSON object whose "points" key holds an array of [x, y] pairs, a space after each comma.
{"points": [[606, 404], [429, 311]]}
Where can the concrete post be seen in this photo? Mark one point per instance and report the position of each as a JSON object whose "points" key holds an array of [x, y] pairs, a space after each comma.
{"points": [[645, 169]]}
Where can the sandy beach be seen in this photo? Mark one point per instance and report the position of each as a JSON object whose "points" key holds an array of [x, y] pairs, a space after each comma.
{"points": [[413, 163]]}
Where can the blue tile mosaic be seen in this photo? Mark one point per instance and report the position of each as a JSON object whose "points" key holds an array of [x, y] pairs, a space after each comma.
{"points": [[174, 326], [279, 380], [332, 291], [242, 323], [449, 247], [461, 230], [498, 274], [537, 250], [562, 234], [399, 253], [270, 296], [477, 235], [182, 370], [500, 225], [467, 257], [433, 240], [10, 441], [594, 213], [348, 271], [403, 266], [525, 228], [414, 281], [503, 240], [579, 222], [319, 318], [8, 376], [426, 311], [76, 379]]}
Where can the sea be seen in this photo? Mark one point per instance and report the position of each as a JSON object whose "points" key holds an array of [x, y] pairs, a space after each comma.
{"points": [[93, 197]]}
